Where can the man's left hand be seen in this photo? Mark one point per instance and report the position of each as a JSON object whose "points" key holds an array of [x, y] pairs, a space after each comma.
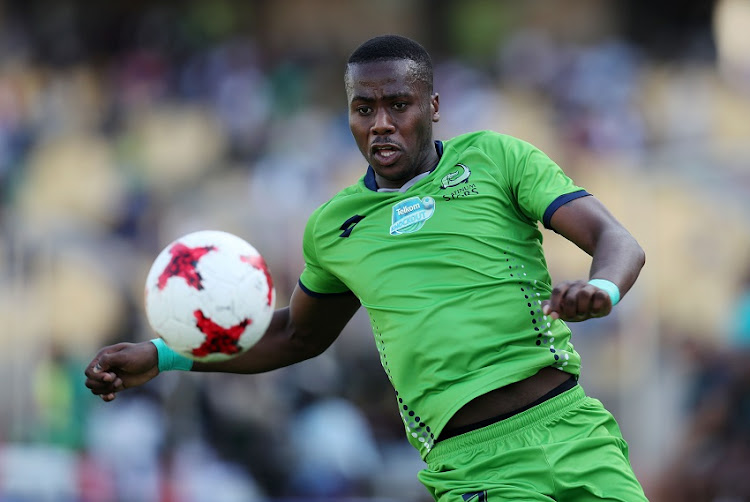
{"points": [[577, 301]]}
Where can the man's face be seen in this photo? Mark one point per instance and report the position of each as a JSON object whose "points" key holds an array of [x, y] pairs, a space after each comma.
{"points": [[390, 115]]}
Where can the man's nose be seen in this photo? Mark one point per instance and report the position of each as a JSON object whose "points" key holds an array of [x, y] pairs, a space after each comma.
{"points": [[383, 123]]}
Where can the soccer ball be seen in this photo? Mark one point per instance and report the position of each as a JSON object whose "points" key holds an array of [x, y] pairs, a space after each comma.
{"points": [[209, 295]]}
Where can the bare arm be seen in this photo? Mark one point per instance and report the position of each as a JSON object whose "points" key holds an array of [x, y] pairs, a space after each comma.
{"points": [[616, 256], [303, 330]]}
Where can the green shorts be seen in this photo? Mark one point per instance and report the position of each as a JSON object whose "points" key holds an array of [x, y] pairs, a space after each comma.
{"points": [[569, 448]]}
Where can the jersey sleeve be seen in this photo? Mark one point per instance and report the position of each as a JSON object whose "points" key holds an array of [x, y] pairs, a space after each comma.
{"points": [[315, 280], [539, 184]]}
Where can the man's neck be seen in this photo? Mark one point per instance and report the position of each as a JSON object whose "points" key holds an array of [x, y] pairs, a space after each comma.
{"points": [[407, 185], [371, 178]]}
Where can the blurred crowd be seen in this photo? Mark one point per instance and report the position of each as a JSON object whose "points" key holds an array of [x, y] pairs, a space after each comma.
{"points": [[125, 126]]}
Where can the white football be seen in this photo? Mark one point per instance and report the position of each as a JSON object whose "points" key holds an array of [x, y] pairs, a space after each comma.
{"points": [[209, 295]]}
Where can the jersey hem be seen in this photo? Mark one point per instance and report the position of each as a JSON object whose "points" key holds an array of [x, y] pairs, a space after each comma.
{"points": [[492, 385]]}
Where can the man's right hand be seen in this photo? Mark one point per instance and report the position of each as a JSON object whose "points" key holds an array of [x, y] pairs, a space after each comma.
{"points": [[121, 366]]}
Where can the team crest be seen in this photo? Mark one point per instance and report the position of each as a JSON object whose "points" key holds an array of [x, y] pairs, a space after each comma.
{"points": [[461, 175], [410, 214]]}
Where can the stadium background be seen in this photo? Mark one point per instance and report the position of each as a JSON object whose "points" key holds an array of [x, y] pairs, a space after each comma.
{"points": [[126, 124]]}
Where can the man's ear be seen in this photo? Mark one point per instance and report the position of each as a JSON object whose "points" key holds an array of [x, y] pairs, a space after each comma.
{"points": [[435, 105]]}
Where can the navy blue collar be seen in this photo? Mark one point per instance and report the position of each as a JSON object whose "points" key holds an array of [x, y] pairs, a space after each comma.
{"points": [[370, 175]]}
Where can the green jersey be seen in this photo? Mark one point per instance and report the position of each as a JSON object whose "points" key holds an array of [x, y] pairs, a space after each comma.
{"points": [[452, 274]]}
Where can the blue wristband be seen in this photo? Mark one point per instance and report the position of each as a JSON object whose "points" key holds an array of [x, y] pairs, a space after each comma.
{"points": [[169, 359], [610, 287]]}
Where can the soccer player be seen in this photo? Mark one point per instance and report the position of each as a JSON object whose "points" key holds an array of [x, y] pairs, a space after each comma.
{"points": [[439, 242]]}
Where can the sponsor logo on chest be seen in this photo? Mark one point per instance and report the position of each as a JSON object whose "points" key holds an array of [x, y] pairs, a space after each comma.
{"points": [[409, 215]]}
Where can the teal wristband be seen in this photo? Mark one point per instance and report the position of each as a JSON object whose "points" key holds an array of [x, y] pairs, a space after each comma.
{"points": [[610, 287], [169, 359]]}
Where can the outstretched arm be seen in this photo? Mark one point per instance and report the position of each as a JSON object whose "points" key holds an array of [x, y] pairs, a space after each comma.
{"points": [[616, 257], [303, 330]]}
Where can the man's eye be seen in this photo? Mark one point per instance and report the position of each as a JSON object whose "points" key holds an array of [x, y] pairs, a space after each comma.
{"points": [[364, 110], [400, 106]]}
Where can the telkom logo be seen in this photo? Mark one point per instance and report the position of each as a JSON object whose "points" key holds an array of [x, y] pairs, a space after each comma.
{"points": [[410, 214]]}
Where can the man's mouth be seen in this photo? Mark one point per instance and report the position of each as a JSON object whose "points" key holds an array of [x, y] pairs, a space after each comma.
{"points": [[385, 154]]}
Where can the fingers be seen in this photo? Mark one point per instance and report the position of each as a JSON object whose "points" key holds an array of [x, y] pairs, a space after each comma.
{"points": [[577, 301], [601, 303], [574, 303], [121, 366], [101, 375], [108, 397], [103, 383], [100, 364]]}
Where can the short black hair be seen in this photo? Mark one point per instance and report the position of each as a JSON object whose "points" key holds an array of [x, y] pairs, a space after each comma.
{"points": [[395, 47]]}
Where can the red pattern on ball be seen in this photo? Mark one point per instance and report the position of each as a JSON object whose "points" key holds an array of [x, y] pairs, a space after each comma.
{"points": [[218, 339], [183, 263]]}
